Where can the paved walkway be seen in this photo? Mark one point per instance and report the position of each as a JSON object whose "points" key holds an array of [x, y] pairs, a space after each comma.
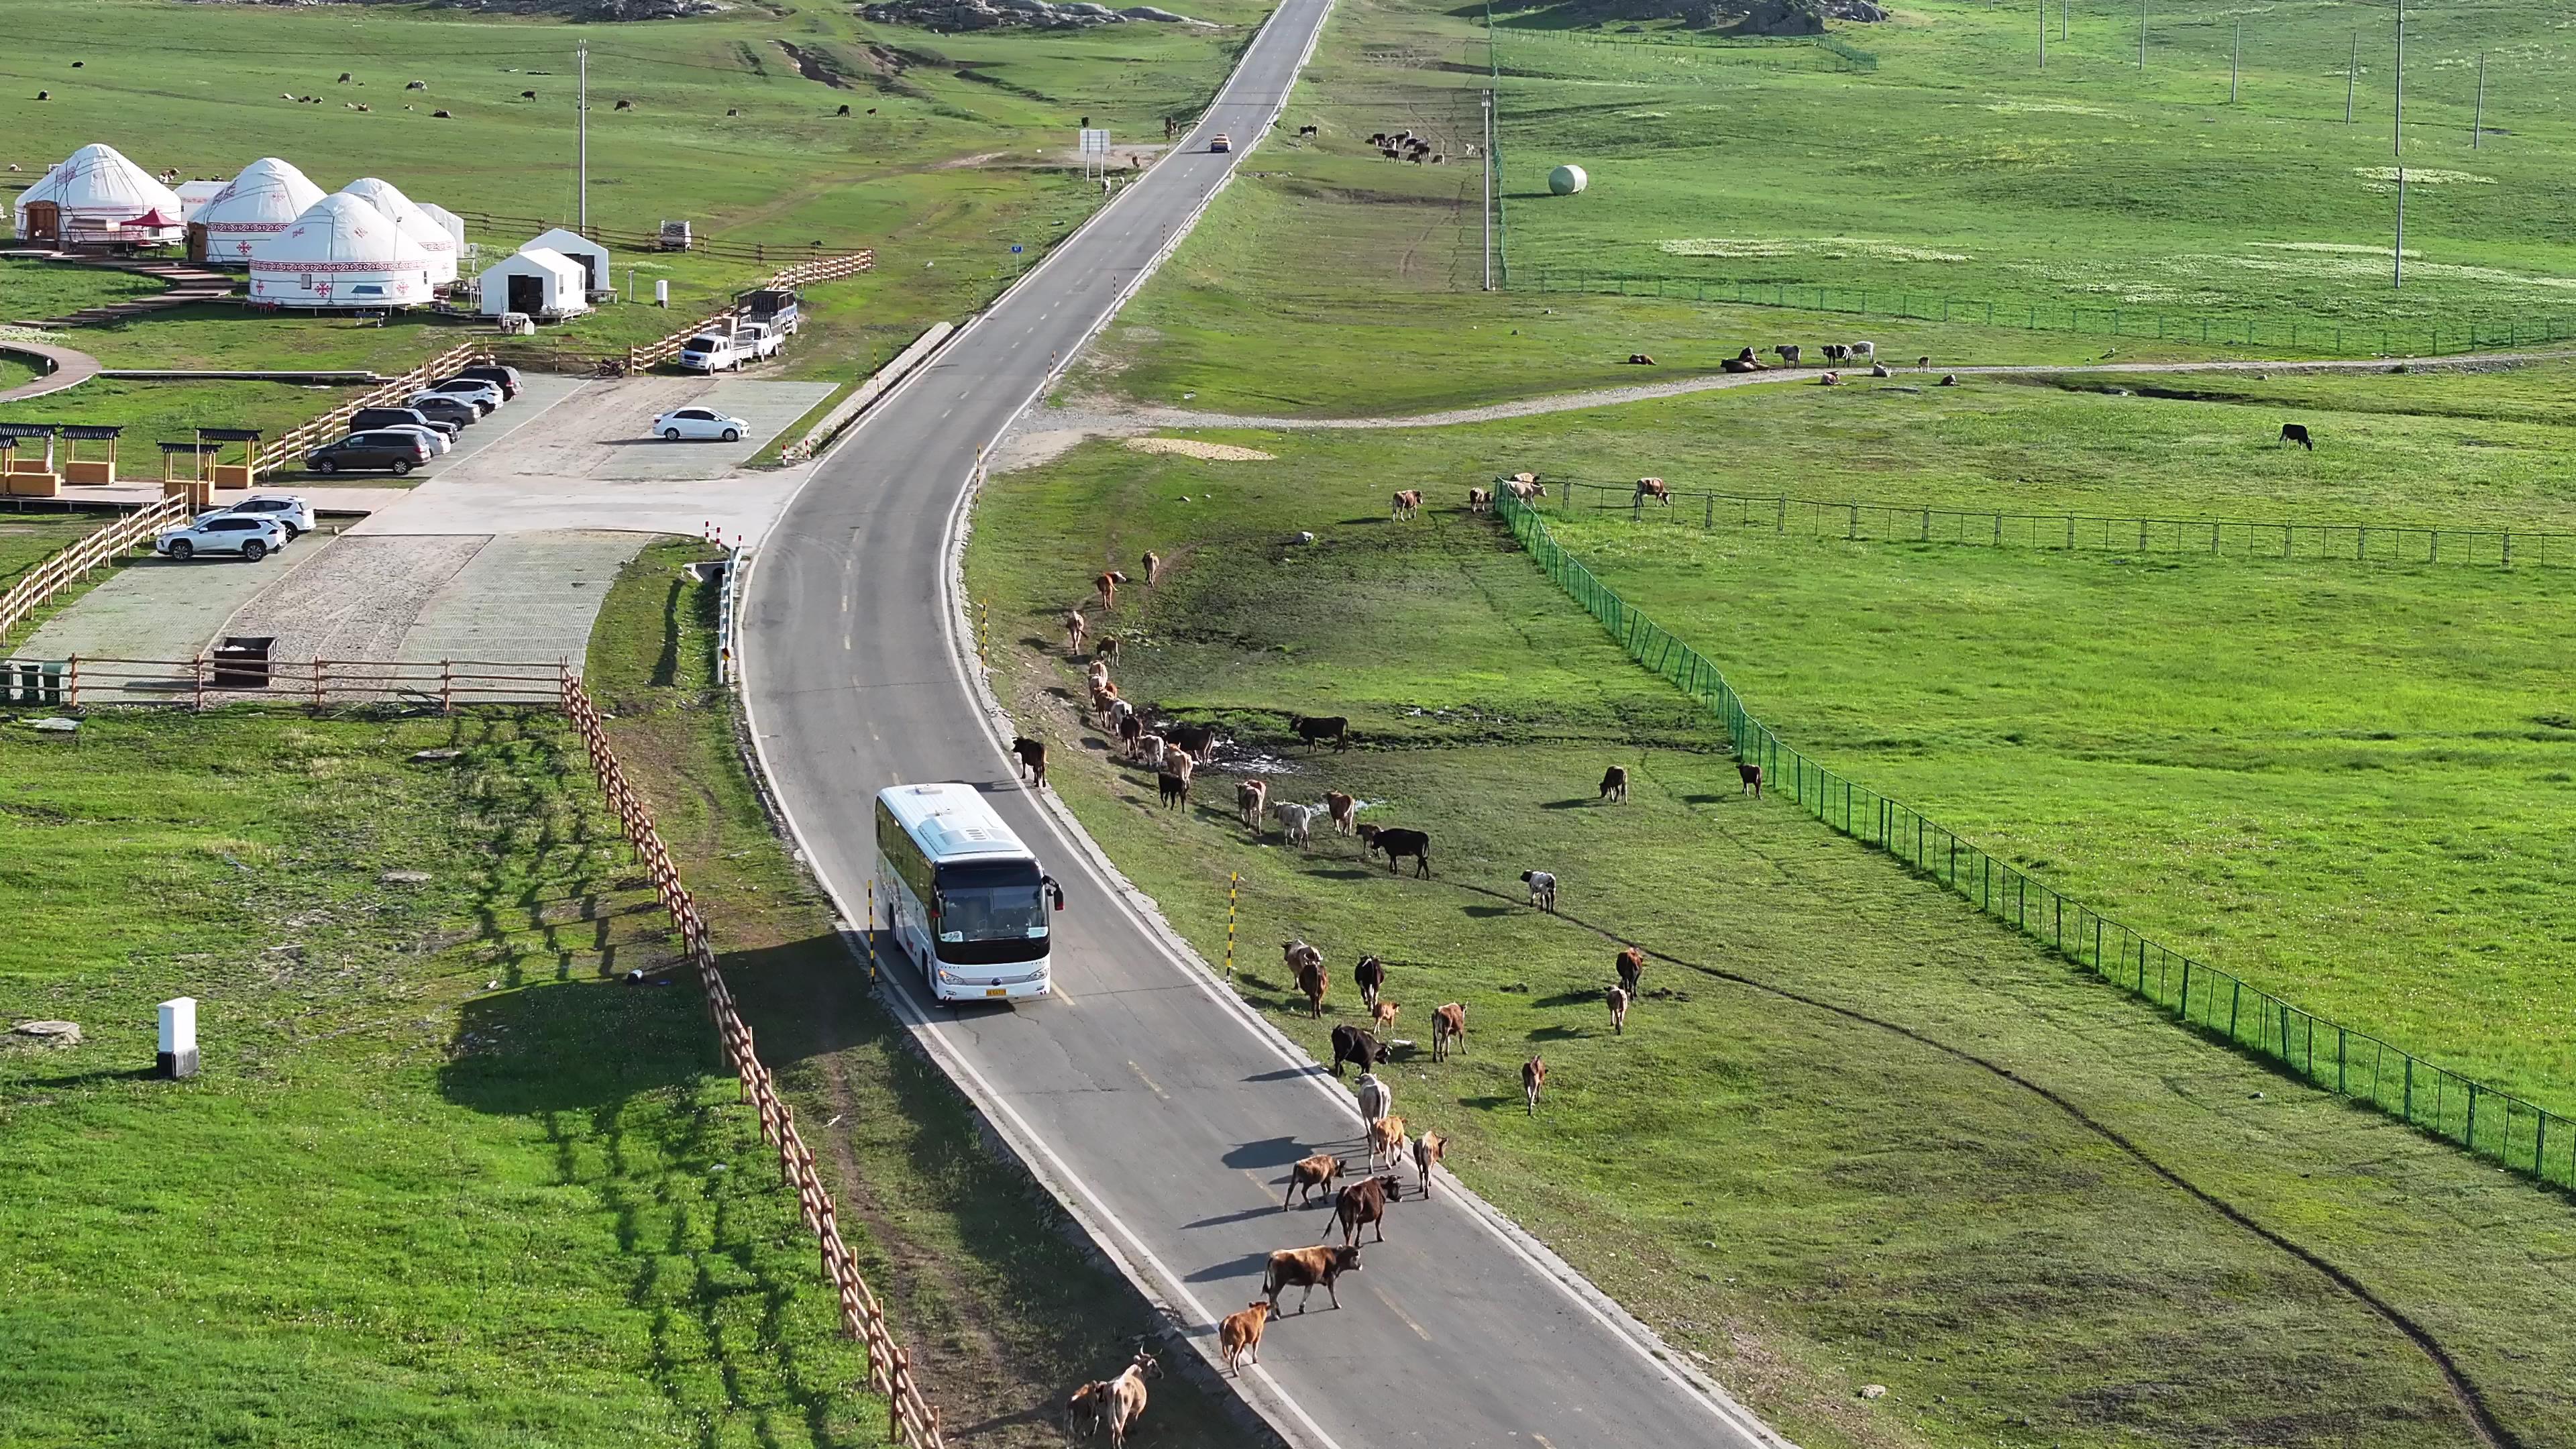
{"points": [[522, 597], [70, 369]]}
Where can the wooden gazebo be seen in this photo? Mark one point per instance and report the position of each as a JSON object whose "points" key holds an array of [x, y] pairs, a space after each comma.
{"points": [[22, 476]]}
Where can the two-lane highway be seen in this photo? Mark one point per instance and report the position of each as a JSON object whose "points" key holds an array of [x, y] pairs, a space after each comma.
{"points": [[1156, 1107]]}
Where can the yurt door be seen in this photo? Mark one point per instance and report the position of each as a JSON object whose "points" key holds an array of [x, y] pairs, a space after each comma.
{"points": [[528, 294], [44, 221], [196, 241]]}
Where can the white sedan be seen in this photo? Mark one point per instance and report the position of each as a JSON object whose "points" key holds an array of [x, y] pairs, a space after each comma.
{"points": [[699, 423]]}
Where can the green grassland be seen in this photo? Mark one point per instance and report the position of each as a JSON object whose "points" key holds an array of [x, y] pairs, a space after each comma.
{"points": [[154, 412], [28, 539], [443, 1181], [1816, 1159], [31, 291]]}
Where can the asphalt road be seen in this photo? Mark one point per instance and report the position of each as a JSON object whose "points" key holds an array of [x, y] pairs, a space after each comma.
{"points": [[1157, 1107]]}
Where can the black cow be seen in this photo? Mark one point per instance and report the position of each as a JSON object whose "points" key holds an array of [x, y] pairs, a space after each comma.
{"points": [[1194, 738], [1398, 844], [1313, 730], [2298, 433], [1355, 1044], [1370, 977]]}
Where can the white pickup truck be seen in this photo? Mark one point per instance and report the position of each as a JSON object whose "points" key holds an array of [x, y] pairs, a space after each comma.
{"points": [[728, 351], [758, 341]]}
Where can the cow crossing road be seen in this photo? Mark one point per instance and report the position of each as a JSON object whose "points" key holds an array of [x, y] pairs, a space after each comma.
{"points": [[1156, 1106]]}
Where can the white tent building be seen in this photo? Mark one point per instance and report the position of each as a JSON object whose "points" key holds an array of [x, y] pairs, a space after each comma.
{"points": [[340, 253], [537, 281], [193, 195], [453, 224], [98, 197], [425, 233], [262, 201], [592, 257]]}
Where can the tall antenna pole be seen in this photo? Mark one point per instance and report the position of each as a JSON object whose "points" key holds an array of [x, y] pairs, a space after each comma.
{"points": [[2236, 60], [581, 108], [2043, 34], [2142, 36], [2351, 68], [2478, 127], [1489, 190], [2061, 17], [2397, 148]]}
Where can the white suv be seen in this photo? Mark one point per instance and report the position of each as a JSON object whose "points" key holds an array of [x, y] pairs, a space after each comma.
{"points": [[252, 538], [293, 513]]}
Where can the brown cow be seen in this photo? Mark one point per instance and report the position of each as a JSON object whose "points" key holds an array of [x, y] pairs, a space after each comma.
{"points": [[1342, 808], [1740, 364], [1408, 502], [1125, 1400], [1614, 783], [1382, 1014], [1448, 1024], [1239, 1337], [1310, 1174], [1751, 777], [1306, 1268], [1363, 1203], [1313, 984], [1654, 488], [1107, 649], [1032, 757], [1075, 626], [1618, 998], [1533, 1077], [1632, 967], [1427, 1152], [1107, 584], [1153, 568], [1249, 798], [1386, 1141]]}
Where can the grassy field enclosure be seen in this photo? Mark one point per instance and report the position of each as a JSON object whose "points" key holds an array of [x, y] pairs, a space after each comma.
{"points": [[155, 412], [1804, 1161], [31, 291]]}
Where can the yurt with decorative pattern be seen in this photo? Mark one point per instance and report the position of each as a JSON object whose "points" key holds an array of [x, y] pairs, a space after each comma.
{"points": [[96, 197], [424, 231], [262, 201], [340, 253]]}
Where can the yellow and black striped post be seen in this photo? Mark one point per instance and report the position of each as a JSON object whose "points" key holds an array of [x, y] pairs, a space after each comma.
{"points": [[1233, 887], [871, 932]]}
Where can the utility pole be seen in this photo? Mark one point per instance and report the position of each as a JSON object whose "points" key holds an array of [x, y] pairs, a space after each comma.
{"points": [[2142, 37], [1488, 159], [2351, 68], [2043, 34], [2236, 60], [2478, 127], [2397, 148], [2061, 18], [581, 109]]}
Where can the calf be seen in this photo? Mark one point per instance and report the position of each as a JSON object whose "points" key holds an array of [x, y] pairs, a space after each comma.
{"points": [[1924, 363], [1075, 626], [1533, 1078], [1614, 784], [1386, 1140], [2297, 433], [1297, 822], [1480, 500], [1121, 715], [1382, 1014], [1654, 488], [1749, 778], [1408, 502], [1177, 761], [1126, 1398], [1370, 977], [1448, 1028], [1859, 350], [1949, 379], [1308, 1268], [1174, 790], [1829, 379], [1315, 730], [1397, 844], [1372, 1098], [1238, 1338], [1147, 748], [1632, 968], [1107, 649], [1131, 731], [1789, 354], [1427, 1151], [1032, 757], [1542, 889], [1107, 586], [1350, 1044], [1618, 998], [1313, 984], [1363, 1203], [1250, 796], [1308, 1175], [1153, 568], [1342, 808]]}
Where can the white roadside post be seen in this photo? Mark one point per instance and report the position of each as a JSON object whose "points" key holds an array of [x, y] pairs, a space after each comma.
{"points": [[178, 1057]]}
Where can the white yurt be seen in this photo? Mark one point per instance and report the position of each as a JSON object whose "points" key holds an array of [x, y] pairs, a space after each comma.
{"points": [[193, 195], [537, 281], [262, 201], [98, 196], [340, 253], [592, 256], [424, 232], [448, 221]]}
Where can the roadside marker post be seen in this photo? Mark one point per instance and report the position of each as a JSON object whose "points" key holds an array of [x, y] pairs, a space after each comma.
{"points": [[871, 932], [1233, 887]]}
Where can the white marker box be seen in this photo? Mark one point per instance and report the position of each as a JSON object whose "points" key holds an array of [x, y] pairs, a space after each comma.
{"points": [[178, 1038]]}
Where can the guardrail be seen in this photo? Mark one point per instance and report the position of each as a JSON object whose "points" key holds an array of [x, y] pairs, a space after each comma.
{"points": [[728, 595], [864, 396], [74, 561], [821, 269], [2322, 1053], [910, 1417], [296, 440]]}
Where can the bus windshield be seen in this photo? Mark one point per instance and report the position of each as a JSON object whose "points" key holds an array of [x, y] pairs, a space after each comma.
{"points": [[991, 911]]}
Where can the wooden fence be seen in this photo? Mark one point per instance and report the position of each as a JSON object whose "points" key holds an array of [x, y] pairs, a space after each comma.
{"points": [[911, 1418], [328, 427], [821, 269], [68, 565], [217, 679]]}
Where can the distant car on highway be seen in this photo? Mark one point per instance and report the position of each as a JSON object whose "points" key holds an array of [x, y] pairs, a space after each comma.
{"points": [[1221, 145], [293, 513], [251, 538], [383, 449], [699, 423]]}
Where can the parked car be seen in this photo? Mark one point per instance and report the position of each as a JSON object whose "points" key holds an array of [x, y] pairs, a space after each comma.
{"points": [[500, 372], [699, 423], [446, 407], [381, 449], [711, 352], [411, 417], [252, 538], [475, 388], [292, 512], [1222, 144]]}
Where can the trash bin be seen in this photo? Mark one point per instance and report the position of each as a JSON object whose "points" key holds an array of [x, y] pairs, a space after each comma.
{"points": [[53, 691], [18, 681], [241, 661]]}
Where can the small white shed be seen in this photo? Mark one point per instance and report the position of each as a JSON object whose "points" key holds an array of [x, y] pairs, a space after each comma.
{"points": [[590, 255], [538, 281]]}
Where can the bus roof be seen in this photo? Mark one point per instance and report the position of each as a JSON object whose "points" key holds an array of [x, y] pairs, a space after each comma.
{"points": [[951, 822]]}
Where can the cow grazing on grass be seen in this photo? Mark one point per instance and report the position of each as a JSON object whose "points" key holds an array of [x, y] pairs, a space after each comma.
{"points": [[1174, 790], [2297, 433], [1032, 758], [1789, 353], [1315, 729], [1448, 1031], [1618, 999], [1860, 350], [1297, 822], [1370, 977], [1614, 784], [1382, 1014], [1308, 1268], [1106, 651], [1398, 844], [1153, 563], [1238, 1338], [1542, 889], [1480, 500], [1198, 739], [1836, 352], [1386, 1141], [1131, 728], [1343, 808], [1654, 488], [1923, 363], [1318, 1171], [1147, 748], [1632, 968], [1250, 796], [1304, 131], [1364, 1203], [1351, 1044], [1107, 587], [1306, 967], [1408, 502], [1178, 761], [1525, 486], [1749, 779], [1533, 1081], [1427, 1152]]}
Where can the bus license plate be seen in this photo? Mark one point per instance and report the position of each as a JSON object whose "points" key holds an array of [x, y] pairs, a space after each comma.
{"points": [[996, 991]]}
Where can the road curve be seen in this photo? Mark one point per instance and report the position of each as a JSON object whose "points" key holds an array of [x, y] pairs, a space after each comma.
{"points": [[1161, 1111]]}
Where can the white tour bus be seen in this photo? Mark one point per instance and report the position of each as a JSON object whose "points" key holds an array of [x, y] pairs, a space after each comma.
{"points": [[968, 901]]}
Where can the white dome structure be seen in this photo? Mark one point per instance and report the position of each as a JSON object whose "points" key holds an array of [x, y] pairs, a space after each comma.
{"points": [[424, 231], [262, 201], [454, 224], [96, 196], [340, 253]]}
